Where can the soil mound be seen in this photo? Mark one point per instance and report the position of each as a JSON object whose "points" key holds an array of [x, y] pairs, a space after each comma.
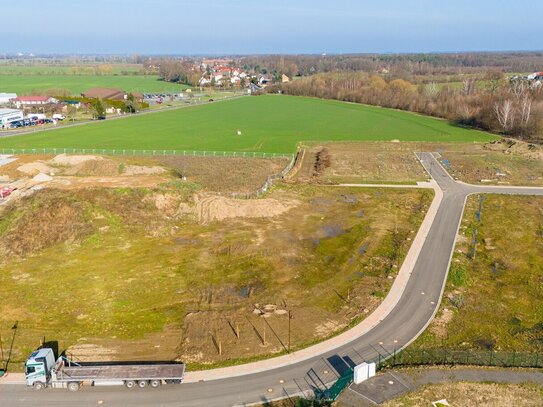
{"points": [[70, 160], [218, 208]]}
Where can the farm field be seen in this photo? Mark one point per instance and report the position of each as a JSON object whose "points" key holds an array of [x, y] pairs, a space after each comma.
{"points": [[269, 123], [180, 270], [493, 297], [76, 84], [68, 69]]}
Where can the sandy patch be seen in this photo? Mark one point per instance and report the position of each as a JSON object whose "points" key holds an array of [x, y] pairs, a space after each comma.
{"points": [[35, 168], [70, 160], [439, 324], [139, 170], [219, 208]]}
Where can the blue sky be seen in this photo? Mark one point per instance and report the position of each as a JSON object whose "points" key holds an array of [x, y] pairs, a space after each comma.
{"points": [[278, 26]]}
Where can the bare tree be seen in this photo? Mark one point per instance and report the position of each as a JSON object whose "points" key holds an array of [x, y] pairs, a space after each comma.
{"points": [[468, 86], [519, 89], [431, 89], [525, 110], [505, 114]]}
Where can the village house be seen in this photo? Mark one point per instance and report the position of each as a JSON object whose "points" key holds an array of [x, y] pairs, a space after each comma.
{"points": [[33, 101]]}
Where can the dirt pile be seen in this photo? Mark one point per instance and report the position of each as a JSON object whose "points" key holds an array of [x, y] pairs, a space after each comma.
{"points": [[35, 168], [217, 208], [71, 160], [139, 170], [102, 167]]}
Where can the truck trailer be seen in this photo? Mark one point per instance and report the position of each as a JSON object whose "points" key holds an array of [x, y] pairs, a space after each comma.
{"points": [[42, 371]]}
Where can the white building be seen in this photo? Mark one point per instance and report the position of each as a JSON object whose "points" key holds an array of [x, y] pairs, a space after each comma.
{"points": [[6, 97], [24, 101], [10, 115]]}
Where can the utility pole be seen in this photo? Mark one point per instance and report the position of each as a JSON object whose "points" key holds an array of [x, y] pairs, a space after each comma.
{"points": [[14, 328]]}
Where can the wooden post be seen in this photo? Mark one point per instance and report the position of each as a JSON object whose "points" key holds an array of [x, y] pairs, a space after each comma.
{"points": [[264, 334], [237, 330], [289, 318]]}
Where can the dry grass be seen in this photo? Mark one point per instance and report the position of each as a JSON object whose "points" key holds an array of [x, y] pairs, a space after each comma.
{"points": [[495, 299], [508, 162], [473, 395], [226, 175], [367, 162], [216, 174], [133, 274]]}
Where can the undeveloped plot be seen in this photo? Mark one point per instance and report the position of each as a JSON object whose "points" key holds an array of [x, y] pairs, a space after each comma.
{"points": [[494, 289], [29, 173], [506, 162], [153, 280], [365, 162], [226, 174], [473, 395]]}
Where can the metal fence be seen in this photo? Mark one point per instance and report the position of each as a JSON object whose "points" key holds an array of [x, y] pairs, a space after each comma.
{"points": [[150, 152], [462, 357], [269, 182], [438, 357]]}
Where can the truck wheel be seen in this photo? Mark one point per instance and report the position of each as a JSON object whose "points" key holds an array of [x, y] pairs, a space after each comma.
{"points": [[39, 385], [130, 384], [142, 384], [74, 386], [155, 383]]}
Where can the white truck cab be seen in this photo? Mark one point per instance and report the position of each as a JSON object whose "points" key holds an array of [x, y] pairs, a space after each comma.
{"points": [[38, 368]]}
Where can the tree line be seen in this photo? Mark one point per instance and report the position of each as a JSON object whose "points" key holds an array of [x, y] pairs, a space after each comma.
{"points": [[513, 108]]}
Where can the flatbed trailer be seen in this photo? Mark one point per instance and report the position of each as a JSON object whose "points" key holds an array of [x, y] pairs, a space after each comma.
{"points": [[42, 372]]}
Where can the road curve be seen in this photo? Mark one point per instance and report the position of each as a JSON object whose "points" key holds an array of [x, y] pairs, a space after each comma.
{"points": [[415, 307]]}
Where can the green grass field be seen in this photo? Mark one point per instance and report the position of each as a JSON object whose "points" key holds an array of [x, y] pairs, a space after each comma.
{"points": [[268, 123], [75, 84]]}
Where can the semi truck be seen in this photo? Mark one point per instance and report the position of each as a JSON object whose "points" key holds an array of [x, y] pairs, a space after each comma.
{"points": [[41, 371]]}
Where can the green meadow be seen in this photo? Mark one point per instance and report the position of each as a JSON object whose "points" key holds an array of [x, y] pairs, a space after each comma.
{"points": [[76, 84], [269, 123]]}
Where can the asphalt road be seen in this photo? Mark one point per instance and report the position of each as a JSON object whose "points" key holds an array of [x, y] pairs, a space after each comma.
{"points": [[408, 319]]}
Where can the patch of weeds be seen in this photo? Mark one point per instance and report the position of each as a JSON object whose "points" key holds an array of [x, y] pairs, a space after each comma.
{"points": [[378, 294], [458, 275], [121, 169], [185, 188], [485, 343], [456, 300], [7, 219]]}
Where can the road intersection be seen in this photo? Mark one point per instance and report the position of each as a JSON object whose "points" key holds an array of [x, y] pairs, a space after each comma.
{"points": [[400, 319]]}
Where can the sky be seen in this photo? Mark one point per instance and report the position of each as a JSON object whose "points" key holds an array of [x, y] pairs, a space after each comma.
{"points": [[220, 27]]}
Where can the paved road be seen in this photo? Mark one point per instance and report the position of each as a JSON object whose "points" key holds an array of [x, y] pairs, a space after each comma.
{"points": [[412, 313]]}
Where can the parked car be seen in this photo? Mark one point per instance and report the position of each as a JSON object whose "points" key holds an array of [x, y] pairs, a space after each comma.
{"points": [[101, 118]]}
